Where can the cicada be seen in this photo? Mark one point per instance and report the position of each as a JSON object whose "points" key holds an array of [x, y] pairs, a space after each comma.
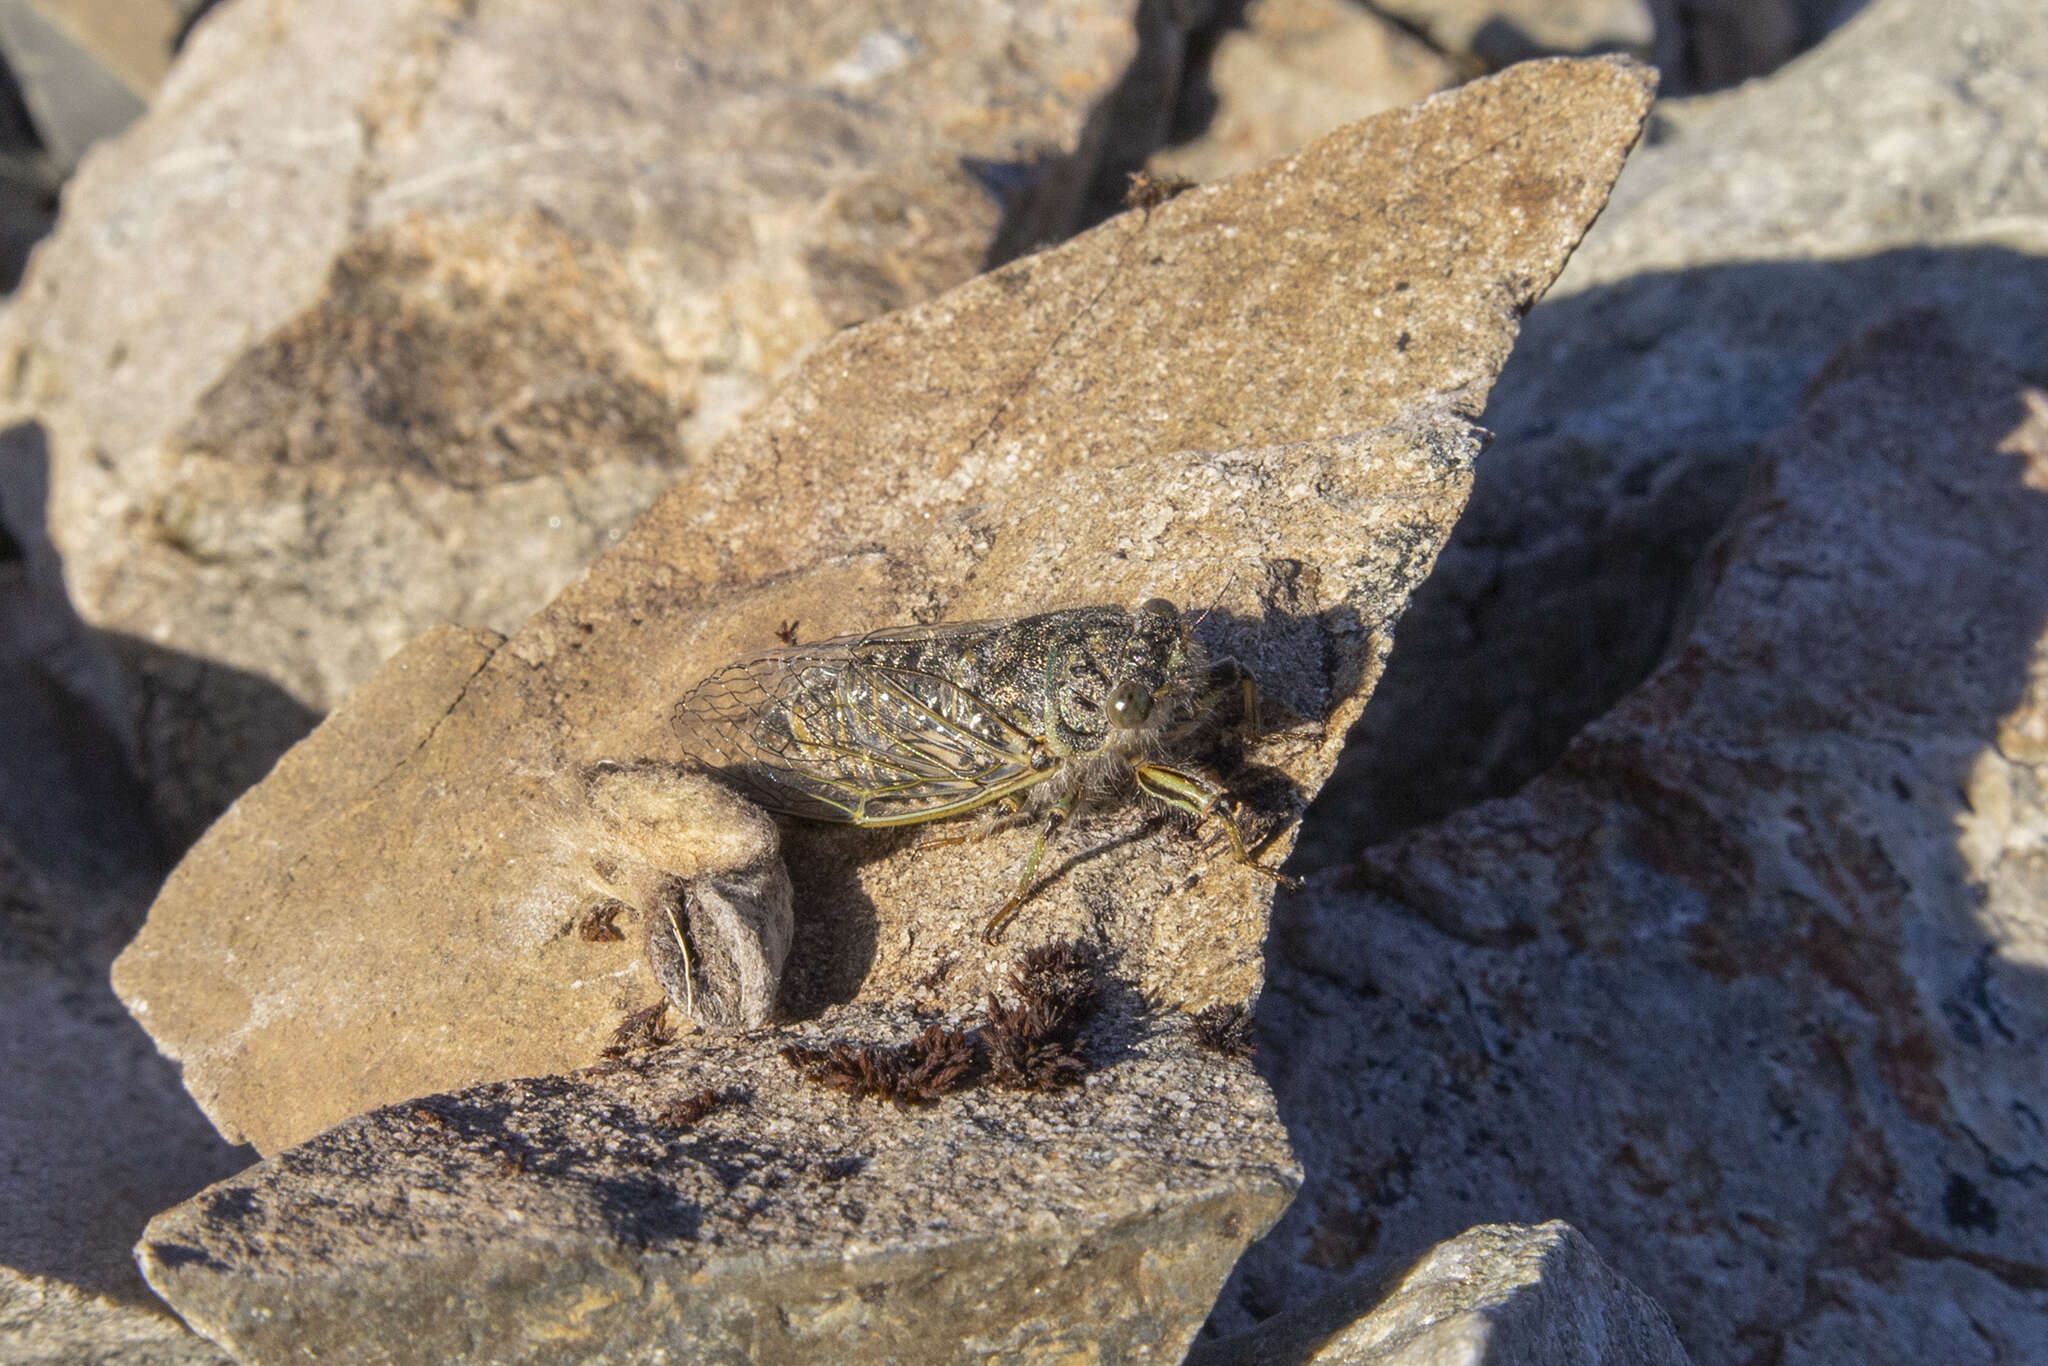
{"points": [[922, 723]]}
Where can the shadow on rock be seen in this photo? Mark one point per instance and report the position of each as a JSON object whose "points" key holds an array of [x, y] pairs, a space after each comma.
{"points": [[1625, 424], [1737, 986], [99, 1134]]}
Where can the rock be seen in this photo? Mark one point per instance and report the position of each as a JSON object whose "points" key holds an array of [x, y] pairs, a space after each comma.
{"points": [[1294, 71], [710, 1204], [96, 1134], [1499, 1293], [1501, 32], [693, 859], [86, 70], [1767, 944], [1752, 235], [48, 1323], [491, 278], [1249, 399]]}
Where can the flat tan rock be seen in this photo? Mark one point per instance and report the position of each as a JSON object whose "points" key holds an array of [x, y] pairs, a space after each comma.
{"points": [[1251, 400], [712, 1205]]}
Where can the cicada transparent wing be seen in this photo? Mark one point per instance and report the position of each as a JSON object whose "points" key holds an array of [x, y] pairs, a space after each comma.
{"points": [[830, 732]]}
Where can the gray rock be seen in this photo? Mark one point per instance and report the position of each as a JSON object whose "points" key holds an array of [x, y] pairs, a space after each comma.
{"points": [[86, 68], [1499, 32], [1249, 399], [1763, 952], [1496, 1295], [714, 1206], [1288, 72], [389, 314], [49, 1323], [1901, 165]]}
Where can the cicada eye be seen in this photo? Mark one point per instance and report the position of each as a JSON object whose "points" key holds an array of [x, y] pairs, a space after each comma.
{"points": [[1158, 607], [1129, 705]]}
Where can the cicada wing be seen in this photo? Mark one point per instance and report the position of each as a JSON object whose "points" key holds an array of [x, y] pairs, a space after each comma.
{"points": [[820, 732]]}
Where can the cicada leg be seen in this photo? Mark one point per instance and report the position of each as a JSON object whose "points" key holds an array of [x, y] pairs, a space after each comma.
{"points": [[1236, 681], [1054, 819], [1200, 797], [1012, 807]]}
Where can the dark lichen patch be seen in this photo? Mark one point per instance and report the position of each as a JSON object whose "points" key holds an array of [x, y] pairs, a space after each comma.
{"points": [[685, 1112], [1224, 1028], [641, 1030], [1030, 1043], [937, 1061], [599, 924], [474, 355], [1034, 1042]]}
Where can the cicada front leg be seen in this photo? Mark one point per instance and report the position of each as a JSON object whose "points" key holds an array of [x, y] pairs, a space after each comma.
{"points": [[1054, 819], [1201, 798]]}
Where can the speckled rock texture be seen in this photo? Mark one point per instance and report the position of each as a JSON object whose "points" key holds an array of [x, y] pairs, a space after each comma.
{"points": [[395, 313], [1250, 399], [614, 1217], [52, 1323], [1495, 1295], [1765, 952]]}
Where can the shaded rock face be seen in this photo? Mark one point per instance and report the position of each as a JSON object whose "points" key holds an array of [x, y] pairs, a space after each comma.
{"points": [[96, 1133], [492, 275], [1750, 236], [1767, 942], [712, 1205]]}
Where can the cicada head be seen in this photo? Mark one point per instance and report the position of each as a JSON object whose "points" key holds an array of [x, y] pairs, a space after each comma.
{"points": [[1125, 676]]}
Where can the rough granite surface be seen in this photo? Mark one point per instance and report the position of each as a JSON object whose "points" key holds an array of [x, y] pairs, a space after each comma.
{"points": [[586, 1219], [1495, 1295]]}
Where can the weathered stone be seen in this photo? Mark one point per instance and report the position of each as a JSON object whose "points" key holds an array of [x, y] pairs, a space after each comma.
{"points": [[1901, 164], [487, 277], [1767, 948], [49, 1323], [1248, 399], [703, 870], [711, 1205], [1493, 1295], [1293, 71]]}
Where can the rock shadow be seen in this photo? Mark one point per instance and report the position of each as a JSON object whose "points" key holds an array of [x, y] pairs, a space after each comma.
{"points": [[98, 1134], [1803, 1120]]}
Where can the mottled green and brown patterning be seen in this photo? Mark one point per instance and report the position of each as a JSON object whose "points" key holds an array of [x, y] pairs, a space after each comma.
{"points": [[919, 723]]}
